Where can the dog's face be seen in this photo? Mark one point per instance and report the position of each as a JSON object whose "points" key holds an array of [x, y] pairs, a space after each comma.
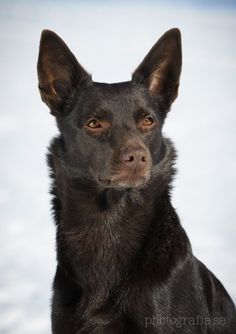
{"points": [[110, 133]]}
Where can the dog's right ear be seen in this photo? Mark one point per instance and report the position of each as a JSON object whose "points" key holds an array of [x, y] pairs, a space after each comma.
{"points": [[59, 72]]}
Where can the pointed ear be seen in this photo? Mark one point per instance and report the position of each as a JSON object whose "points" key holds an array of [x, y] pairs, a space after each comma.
{"points": [[160, 70], [58, 72]]}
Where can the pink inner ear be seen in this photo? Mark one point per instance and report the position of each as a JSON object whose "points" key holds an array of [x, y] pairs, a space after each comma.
{"points": [[157, 78], [155, 84]]}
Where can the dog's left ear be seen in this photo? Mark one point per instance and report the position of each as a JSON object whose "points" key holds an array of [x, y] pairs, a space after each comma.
{"points": [[160, 70]]}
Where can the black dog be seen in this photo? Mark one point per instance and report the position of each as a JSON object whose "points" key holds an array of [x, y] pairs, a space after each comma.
{"points": [[125, 264]]}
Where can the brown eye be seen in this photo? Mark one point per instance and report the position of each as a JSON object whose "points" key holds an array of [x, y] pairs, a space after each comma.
{"points": [[94, 124], [148, 121]]}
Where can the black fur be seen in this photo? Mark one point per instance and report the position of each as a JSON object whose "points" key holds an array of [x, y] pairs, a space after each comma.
{"points": [[125, 264]]}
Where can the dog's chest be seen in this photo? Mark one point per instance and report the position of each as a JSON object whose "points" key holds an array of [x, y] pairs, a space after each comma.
{"points": [[100, 250]]}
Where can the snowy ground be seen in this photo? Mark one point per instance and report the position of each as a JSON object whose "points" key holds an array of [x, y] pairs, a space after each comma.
{"points": [[110, 41]]}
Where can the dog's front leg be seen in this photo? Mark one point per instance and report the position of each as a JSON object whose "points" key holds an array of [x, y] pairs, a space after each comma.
{"points": [[63, 320]]}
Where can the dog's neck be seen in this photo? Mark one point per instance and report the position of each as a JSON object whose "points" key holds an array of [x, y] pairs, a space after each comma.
{"points": [[74, 193]]}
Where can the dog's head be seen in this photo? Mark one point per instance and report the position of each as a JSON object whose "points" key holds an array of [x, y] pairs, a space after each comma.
{"points": [[110, 133]]}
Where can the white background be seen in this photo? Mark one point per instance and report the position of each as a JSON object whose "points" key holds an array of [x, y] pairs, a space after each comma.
{"points": [[110, 39]]}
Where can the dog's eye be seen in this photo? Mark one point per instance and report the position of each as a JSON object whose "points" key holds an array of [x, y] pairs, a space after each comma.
{"points": [[94, 124], [148, 121]]}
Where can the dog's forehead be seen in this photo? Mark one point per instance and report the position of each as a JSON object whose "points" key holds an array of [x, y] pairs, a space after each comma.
{"points": [[117, 97]]}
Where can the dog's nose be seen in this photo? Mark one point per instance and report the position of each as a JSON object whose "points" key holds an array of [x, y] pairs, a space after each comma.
{"points": [[134, 156]]}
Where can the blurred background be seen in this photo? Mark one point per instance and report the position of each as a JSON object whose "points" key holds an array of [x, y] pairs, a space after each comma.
{"points": [[110, 38]]}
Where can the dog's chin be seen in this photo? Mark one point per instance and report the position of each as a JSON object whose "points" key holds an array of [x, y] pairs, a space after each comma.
{"points": [[121, 182]]}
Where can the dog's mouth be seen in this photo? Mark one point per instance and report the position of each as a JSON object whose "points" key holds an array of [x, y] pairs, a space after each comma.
{"points": [[125, 180]]}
